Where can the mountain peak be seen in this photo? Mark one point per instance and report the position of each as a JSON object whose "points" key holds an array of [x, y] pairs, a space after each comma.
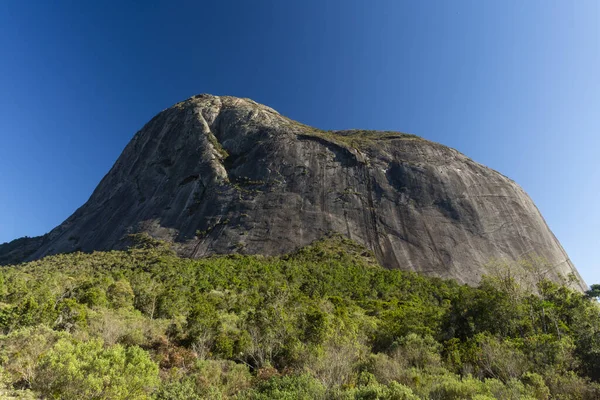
{"points": [[220, 175]]}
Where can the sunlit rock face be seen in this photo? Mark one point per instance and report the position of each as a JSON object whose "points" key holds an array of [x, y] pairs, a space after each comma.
{"points": [[219, 175]]}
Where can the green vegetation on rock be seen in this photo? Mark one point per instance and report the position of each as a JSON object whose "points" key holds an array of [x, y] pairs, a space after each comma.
{"points": [[326, 322], [359, 139]]}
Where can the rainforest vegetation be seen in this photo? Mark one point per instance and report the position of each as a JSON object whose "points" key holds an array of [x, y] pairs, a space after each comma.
{"points": [[326, 322]]}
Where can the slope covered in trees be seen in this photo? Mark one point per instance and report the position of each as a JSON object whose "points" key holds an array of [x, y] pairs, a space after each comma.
{"points": [[325, 322]]}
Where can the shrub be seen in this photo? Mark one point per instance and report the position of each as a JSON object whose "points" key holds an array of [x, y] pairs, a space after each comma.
{"points": [[179, 390], [74, 370], [291, 387], [120, 294], [418, 351], [21, 350]]}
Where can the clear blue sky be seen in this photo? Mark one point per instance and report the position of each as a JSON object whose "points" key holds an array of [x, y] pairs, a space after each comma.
{"points": [[513, 84]]}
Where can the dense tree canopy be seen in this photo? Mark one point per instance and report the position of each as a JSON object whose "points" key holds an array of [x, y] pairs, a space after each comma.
{"points": [[323, 323]]}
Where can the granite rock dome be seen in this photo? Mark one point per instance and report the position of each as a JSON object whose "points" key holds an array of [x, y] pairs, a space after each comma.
{"points": [[218, 175]]}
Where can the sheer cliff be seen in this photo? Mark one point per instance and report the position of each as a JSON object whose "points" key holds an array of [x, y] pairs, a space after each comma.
{"points": [[218, 175]]}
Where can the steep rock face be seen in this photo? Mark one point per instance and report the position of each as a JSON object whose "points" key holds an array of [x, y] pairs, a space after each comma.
{"points": [[226, 175]]}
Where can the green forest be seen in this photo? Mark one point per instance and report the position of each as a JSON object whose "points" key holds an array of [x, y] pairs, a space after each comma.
{"points": [[325, 322]]}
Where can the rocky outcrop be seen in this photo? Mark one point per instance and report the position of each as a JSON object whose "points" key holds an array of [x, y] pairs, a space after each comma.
{"points": [[219, 175]]}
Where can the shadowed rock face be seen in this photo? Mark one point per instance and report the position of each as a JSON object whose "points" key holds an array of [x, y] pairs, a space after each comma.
{"points": [[228, 175]]}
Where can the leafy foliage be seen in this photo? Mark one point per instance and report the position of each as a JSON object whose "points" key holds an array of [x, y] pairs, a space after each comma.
{"points": [[88, 370], [325, 322]]}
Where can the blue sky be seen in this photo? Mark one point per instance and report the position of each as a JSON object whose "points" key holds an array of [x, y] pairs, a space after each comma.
{"points": [[512, 84]]}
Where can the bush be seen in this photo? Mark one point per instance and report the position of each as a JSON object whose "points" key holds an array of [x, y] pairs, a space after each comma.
{"points": [[9, 393], [292, 387], [377, 391], [418, 351], [120, 294], [76, 370], [221, 376], [21, 350], [179, 390], [500, 359]]}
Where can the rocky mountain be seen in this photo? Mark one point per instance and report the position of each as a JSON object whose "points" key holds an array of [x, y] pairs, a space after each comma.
{"points": [[218, 175]]}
